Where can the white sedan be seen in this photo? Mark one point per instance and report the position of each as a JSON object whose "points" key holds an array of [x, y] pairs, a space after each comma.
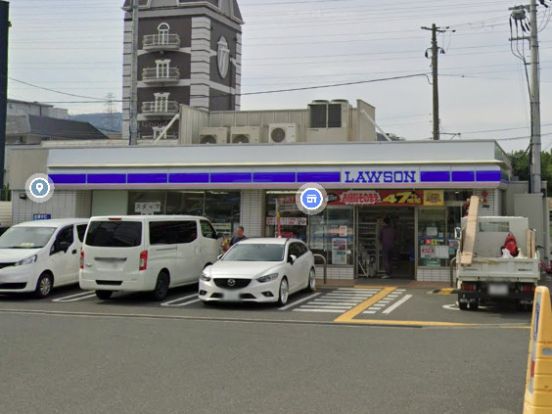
{"points": [[259, 270]]}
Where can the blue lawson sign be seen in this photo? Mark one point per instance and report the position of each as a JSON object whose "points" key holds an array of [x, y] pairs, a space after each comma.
{"points": [[42, 216], [359, 177]]}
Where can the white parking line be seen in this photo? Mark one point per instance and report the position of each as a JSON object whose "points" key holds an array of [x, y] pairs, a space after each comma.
{"points": [[298, 302], [319, 310], [397, 304], [74, 297], [177, 302]]}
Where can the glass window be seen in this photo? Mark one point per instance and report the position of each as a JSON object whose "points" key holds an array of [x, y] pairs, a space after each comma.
{"points": [[146, 202], [207, 230], [163, 232], [433, 237], [81, 230], [248, 252], [114, 234], [295, 250], [284, 218], [331, 234], [66, 235], [186, 232], [26, 237]]}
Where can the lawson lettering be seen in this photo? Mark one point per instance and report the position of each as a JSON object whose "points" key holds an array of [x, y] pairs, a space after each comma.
{"points": [[380, 177]]}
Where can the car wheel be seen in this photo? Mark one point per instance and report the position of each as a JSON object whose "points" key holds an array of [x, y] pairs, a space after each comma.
{"points": [[161, 287], [283, 295], [44, 285], [463, 306], [312, 280], [474, 306], [104, 294]]}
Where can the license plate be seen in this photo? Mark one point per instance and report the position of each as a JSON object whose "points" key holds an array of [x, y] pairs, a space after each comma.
{"points": [[498, 290], [232, 296]]}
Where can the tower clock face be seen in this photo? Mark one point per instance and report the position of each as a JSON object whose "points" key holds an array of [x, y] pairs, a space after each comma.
{"points": [[223, 57]]}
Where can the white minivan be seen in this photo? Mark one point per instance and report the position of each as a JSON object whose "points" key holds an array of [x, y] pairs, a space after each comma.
{"points": [[145, 253], [39, 255]]}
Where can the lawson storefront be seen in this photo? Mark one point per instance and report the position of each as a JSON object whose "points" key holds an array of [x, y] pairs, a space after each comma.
{"points": [[420, 187]]}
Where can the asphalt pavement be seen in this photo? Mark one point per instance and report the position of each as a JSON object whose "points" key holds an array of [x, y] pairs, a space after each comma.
{"points": [[131, 355]]}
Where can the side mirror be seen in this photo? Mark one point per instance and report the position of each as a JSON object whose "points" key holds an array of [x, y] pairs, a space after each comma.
{"points": [[292, 258], [458, 233]]}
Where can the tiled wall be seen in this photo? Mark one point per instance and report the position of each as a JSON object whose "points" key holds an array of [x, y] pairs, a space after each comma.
{"points": [[65, 204], [433, 274], [344, 273]]}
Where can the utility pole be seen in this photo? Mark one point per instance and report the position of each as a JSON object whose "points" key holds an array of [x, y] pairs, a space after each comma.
{"points": [[536, 180], [520, 25], [133, 108], [435, 51], [4, 31]]}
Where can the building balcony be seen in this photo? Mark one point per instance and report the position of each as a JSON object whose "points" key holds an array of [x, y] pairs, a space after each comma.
{"points": [[156, 76], [154, 109], [161, 42]]}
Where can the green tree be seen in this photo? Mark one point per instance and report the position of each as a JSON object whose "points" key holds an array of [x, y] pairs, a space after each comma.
{"points": [[520, 167]]}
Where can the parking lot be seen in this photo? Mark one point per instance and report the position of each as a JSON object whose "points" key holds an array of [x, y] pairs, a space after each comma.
{"points": [[322, 353], [363, 305]]}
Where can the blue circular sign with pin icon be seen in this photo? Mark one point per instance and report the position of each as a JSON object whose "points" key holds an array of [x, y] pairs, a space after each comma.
{"points": [[311, 198], [39, 188]]}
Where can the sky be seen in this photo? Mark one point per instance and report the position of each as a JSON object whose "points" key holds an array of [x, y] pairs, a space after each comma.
{"points": [[75, 46]]}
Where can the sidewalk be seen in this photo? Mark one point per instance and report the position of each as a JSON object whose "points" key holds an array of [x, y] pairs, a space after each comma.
{"points": [[407, 283]]}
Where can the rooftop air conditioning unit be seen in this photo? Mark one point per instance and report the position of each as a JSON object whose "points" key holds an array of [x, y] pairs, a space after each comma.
{"points": [[245, 135], [282, 133], [211, 135]]}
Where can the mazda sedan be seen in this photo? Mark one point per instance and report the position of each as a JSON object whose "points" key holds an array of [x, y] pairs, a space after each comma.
{"points": [[259, 270]]}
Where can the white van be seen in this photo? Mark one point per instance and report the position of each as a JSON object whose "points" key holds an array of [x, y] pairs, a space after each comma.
{"points": [[39, 255], [146, 253]]}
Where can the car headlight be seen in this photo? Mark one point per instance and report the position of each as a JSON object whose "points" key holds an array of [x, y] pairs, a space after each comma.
{"points": [[268, 278], [28, 260], [205, 278]]}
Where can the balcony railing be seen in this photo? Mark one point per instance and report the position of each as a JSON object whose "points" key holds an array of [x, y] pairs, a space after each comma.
{"points": [[159, 108], [162, 41], [155, 75]]}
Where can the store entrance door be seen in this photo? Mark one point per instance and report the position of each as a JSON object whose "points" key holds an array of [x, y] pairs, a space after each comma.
{"points": [[369, 252]]}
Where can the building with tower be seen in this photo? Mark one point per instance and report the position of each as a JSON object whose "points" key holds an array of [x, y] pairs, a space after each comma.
{"points": [[189, 53]]}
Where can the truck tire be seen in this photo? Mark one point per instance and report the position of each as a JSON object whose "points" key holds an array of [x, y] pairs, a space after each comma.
{"points": [[474, 306], [462, 306]]}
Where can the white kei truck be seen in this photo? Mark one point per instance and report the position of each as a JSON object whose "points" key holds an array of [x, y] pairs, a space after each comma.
{"points": [[484, 273]]}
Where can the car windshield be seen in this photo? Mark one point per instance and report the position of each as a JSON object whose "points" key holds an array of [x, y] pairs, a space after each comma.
{"points": [[255, 253], [26, 237], [114, 234]]}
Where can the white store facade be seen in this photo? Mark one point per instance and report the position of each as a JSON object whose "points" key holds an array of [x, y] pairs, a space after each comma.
{"points": [[420, 186]]}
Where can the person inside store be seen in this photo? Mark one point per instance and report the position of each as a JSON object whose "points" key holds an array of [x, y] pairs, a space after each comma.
{"points": [[238, 236], [387, 243]]}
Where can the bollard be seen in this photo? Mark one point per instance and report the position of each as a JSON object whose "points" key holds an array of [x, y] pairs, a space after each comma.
{"points": [[538, 389]]}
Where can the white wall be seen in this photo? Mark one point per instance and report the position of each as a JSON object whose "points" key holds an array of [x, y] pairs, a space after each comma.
{"points": [[105, 203]]}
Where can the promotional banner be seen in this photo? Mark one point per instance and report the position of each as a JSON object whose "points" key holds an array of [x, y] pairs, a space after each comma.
{"points": [[376, 198]]}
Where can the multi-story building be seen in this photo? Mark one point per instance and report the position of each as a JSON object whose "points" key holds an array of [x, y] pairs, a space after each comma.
{"points": [[189, 52], [17, 108]]}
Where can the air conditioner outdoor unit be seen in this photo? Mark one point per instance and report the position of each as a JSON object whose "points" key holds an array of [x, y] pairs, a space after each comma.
{"points": [[245, 135], [212, 135], [282, 133]]}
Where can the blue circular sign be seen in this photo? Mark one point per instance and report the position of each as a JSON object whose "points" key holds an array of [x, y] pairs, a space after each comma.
{"points": [[39, 188], [312, 198]]}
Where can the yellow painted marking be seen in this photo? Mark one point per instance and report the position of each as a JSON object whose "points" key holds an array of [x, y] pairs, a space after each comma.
{"points": [[380, 322], [446, 291], [357, 310]]}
